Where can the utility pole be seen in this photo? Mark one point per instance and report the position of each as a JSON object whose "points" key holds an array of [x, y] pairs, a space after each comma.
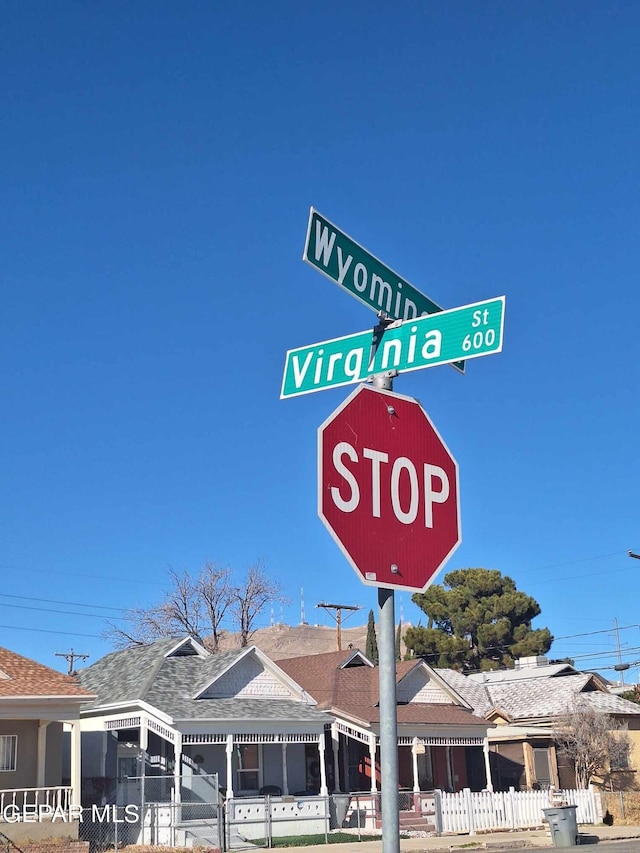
{"points": [[70, 657], [338, 617], [620, 670]]}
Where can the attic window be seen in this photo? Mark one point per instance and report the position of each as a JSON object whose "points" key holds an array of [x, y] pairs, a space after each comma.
{"points": [[188, 647], [185, 651], [355, 660], [4, 676]]}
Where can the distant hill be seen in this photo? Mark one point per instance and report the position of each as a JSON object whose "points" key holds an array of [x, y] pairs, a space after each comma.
{"points": [[290, 641]]}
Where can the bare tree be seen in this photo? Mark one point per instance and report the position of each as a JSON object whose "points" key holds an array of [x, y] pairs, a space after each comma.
{"points": [[594, 742], [192, 606], [250, 599], [217, 594]]}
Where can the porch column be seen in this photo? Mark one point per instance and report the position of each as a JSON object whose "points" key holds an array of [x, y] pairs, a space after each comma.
{"points": [[144, 735], [324, 791], [285, 777], [414, 762], [177, 767], [335, 744], [76, 771], [487, 763], [42, 753], [447, 751], [144, 745], [229, 767], [372, 759]]}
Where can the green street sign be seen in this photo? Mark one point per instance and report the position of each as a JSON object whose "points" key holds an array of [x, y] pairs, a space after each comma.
{"points": [[361, 274], [467, 332]]}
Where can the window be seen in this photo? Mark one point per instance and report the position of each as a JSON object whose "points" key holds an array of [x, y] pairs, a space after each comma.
{"points": [[248, 755], [541, 766], [8, 746], [619, 754]]}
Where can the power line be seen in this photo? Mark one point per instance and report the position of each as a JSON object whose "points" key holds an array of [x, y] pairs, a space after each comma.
{"points": [[57, 601], [46, 631], [83, 576], [64, 612], [591, 633], [574, 562]]}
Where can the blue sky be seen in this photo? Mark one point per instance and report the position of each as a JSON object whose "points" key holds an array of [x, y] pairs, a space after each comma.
{"points": [[158, 165]]}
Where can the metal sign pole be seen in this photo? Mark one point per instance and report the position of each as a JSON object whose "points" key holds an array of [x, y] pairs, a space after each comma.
{"points": [[388, 701], [388, 722]]}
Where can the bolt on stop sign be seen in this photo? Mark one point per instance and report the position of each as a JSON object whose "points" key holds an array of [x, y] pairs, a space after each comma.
{"points": [[388, 489]]}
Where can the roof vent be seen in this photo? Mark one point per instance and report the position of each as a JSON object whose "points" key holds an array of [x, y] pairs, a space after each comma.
{"points": [[532, 662], [186, 648], [185, 651]]}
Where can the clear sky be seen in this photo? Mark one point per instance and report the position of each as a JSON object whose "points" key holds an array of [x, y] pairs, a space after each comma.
{"points": [[158, 164]]}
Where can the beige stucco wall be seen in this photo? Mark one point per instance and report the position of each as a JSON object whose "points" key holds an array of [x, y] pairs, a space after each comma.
{"points": [[53, 762], [24, 776]]}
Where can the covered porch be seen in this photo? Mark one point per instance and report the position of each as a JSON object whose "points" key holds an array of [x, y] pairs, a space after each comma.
{"points": [[449, 761], [176, 759]]}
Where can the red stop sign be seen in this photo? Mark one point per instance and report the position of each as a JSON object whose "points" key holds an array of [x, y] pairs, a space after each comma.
{"points": [[388, 489]]}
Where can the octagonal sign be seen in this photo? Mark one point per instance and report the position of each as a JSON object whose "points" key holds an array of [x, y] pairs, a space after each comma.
{"points": [[388, 489]]}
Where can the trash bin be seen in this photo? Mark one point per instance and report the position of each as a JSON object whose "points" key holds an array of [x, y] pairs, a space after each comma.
{"points": [[338, 808], [563, 825]]}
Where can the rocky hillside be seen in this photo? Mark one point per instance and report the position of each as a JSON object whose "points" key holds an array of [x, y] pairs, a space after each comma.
{"points": [[290, 641]]}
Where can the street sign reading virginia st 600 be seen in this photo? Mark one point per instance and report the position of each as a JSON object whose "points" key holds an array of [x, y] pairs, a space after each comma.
{"points": [[356, 270], [467, 332]]}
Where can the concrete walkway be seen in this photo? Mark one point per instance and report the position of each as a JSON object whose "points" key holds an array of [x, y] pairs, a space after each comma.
{"points": [[481, 841]]}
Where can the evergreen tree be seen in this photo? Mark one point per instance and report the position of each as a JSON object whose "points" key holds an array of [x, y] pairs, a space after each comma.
{"points": [[398, 641], [477, 620], [371, 649]]}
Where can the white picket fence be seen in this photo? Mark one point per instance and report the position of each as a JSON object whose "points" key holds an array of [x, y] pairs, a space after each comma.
{"points": [[473, 811]]}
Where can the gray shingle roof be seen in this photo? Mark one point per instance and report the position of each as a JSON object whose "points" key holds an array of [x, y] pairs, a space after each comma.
{"points": [[524, 674], [144, 674], [126, 675], [535, 698], [475, 694]]}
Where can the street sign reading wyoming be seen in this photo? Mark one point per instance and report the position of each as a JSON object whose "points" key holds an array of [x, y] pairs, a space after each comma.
{"points": [[361, 274], [467, 332]]}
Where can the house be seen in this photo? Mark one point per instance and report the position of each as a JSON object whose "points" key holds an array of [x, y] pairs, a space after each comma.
{"points": [[170, 716], [524, 704], [441, 742], [36, 703]]}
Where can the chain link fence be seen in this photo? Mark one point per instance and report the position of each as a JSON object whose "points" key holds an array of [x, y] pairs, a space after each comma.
{"points": [[621, 807], [151, 811]]}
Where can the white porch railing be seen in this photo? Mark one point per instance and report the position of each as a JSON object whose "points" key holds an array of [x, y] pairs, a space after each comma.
{"points": [[16, 802], [473, 811]]}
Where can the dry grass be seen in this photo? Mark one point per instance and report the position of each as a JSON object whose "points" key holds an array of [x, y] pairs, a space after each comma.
{"points": [[151, 848], [624, 806], [290, 641]]}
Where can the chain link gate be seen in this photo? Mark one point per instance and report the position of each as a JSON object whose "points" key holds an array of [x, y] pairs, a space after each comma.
{"points": [[149, 810]]}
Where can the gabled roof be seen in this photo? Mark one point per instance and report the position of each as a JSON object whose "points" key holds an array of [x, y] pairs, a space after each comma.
{"points": [[285, 687], [25, 678], [317, 673], [552, 670], [350, 690], [476, 694], [183, 683], [537, 698]]}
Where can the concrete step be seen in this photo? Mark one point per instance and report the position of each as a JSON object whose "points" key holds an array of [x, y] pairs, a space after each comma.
{"points": [[413, 822]]}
